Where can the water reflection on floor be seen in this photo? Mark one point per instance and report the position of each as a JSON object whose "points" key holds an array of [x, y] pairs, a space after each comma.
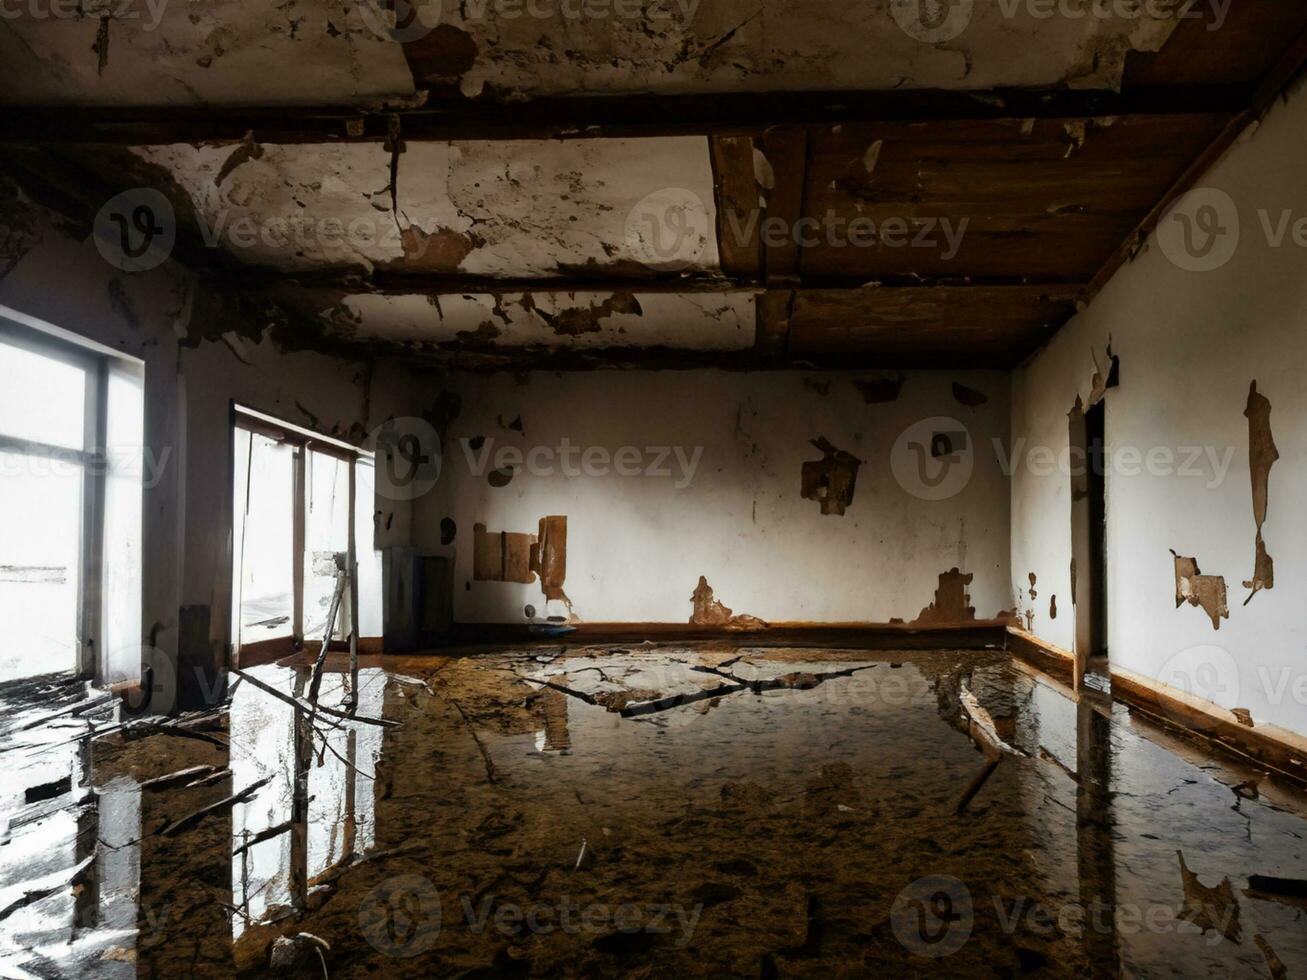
{"points": [[646, 811]]}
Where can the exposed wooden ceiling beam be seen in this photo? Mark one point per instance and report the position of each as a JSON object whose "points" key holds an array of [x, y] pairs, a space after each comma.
{"points": [[592, 116], [1290, 65]]}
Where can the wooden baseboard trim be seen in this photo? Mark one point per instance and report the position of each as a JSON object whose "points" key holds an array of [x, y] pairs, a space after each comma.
{"points": [[1268, 747], [977, 635]]}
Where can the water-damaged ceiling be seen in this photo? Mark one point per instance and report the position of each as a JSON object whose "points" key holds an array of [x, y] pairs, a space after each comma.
{"points": [[588, 181]]}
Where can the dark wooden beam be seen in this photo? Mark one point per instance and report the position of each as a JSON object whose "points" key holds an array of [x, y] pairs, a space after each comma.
{"points": [[720, 114], [785, 152], [736, 194]]}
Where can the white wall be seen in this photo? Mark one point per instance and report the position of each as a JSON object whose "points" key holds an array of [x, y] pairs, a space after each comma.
{"points": [[1190, 343], [638, 544]]}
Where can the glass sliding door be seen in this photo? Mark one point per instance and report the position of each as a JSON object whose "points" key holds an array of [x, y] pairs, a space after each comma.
{"points": [[262, 538], [291, 522]]}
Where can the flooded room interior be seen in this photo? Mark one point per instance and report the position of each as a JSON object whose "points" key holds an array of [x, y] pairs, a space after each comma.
{"points": [[532, 488]]}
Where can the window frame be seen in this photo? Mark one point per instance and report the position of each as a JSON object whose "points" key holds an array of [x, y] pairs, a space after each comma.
{"points": [[90, 457]]}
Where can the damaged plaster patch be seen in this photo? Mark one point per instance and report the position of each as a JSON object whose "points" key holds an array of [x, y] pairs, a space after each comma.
{"points": [[441, 250], [968, 396], [1197, 589], [506, 208], [220, 52], [1262, 454], [952, 603], [230, 53], [448, 530], [709, 611], [553, 320], [830, 480], [442, 53], [878, 391], [574, 320], [1103, 378], [19, 220]]}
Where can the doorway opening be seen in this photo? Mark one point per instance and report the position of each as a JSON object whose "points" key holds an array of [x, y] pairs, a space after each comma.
{"points": [[302, 521], [71, 483], [1088, 437]]}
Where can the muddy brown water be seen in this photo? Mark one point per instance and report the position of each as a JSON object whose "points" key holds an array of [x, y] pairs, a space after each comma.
{"points": [[648, 811]]}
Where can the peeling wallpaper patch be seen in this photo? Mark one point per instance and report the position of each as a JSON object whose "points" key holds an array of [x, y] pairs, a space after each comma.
{"points": [[1262, 454], [1197, 589], [501, 556], [549, 559]]}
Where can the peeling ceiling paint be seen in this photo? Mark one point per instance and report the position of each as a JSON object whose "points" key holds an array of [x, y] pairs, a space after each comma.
{"points": [[234, 52], [697, 321], [337, 51], [520, 208]]}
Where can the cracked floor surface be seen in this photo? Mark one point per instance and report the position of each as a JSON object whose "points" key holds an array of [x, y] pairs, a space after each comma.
{"points": [[646, 810]]}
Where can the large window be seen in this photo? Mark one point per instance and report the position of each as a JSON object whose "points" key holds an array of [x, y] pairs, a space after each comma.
{"points": [[71, 466]]}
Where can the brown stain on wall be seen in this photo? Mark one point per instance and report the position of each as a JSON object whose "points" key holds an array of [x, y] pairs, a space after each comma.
{"points": [[952, 603], [968, 396], [1262, 454], [448, 530], [1052, 607], [1197, 589], [830, 480]]}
